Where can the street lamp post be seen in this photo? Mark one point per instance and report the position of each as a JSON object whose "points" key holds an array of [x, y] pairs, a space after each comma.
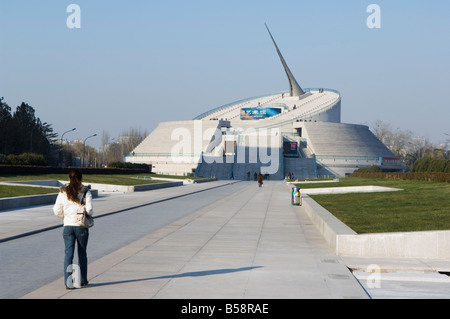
{"points": [[446, 143], [84, 148], [61, 158]]}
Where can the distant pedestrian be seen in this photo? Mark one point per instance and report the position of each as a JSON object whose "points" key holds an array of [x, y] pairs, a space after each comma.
{"points": [[260, 179], [68, 203]]}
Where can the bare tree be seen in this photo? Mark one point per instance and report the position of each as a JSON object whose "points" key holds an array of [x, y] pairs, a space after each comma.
{"points": [[114, 150], [404, 145], [397, 141], [132, 138], [105, 138]]}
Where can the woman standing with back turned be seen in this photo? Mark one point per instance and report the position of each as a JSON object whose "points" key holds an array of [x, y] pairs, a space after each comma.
{"points": [[67, 205]]}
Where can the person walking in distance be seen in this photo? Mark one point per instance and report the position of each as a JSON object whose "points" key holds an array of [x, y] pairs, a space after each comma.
{"points": [[260, 179], [67, 205]]}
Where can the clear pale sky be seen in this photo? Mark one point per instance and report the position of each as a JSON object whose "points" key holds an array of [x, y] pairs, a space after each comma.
{"points": [[137, 63]]}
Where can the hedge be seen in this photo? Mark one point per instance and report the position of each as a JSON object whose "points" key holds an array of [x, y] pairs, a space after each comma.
{"points": [[369, 169], [23, 159], [37, 170], [129, 165], [428, 164], [421, 176]]}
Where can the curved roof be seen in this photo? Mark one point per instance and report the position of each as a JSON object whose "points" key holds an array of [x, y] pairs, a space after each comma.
{"points": [[293, 108]]}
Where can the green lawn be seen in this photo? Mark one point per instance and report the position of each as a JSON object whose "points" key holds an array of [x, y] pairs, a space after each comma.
{"points": [[125, 180], [14, 191], [420, 206]]}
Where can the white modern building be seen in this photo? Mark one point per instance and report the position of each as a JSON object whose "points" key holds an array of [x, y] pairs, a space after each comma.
{"points": [[298, 131]]}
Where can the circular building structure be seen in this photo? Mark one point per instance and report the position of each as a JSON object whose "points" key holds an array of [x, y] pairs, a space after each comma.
{"points": [[297, 133]]}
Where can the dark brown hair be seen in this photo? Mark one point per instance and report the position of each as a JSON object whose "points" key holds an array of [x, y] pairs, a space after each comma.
{"points": [[74, 186]]}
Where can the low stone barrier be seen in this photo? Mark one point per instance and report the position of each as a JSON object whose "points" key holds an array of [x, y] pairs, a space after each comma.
{"points": [[345, 242], [47, 199], [420, 244], [24, 201], [32, 200], [134, 188]]}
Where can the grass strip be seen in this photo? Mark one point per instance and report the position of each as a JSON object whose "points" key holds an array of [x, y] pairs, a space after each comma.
{"points": [[420, 206], [122, 179], [15, 191]]}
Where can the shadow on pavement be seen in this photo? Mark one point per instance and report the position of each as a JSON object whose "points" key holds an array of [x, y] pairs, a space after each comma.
{"points": [[186, 274]]}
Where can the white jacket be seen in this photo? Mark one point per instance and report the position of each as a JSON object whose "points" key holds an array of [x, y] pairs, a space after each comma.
{"points": [[65, 208]]}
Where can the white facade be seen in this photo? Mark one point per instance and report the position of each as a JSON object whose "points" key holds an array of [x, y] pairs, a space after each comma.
{"points": [[298, 131], [219, 143]]}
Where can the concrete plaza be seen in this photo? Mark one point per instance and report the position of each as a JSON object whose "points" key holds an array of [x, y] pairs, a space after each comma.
{"points": [[252, 244]]}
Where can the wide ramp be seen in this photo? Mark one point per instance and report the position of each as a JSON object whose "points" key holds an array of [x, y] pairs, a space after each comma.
{"points": [[251, 244]]}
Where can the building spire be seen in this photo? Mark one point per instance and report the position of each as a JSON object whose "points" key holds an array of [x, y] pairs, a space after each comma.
{"points": [[295, 89]]}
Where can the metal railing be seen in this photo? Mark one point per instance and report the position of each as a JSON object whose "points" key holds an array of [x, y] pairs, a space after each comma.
{"points": [[201, 116], [309, 114]]}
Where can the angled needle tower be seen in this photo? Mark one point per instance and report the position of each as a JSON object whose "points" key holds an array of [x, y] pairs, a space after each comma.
{"points": [[295, 89]]}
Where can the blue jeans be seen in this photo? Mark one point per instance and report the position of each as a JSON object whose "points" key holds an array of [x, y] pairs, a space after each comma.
{"points": [[80, 235]]}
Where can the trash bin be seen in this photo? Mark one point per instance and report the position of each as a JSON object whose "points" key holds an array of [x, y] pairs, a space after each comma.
{"points": [[295, 198]]}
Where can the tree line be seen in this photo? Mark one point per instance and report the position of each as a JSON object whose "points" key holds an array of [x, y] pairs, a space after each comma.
{"points": [[26, 140], [22, 132], [403, 144]]}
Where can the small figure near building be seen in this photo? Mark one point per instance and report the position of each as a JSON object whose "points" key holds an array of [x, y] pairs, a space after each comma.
{"points": [[260, 179]]}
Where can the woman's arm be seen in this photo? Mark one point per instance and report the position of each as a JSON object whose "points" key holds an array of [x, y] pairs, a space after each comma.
{"points": [[89, 207], [58, 207]]}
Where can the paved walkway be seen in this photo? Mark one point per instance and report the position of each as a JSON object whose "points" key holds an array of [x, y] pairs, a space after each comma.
{"points": [[252, 244]]}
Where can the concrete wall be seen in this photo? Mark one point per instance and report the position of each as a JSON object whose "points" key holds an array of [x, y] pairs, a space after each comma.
{"points": [[340, 139], [135, 188], [47, 199], [424, 244], [33, 200], [345, 242], [24, 201]]}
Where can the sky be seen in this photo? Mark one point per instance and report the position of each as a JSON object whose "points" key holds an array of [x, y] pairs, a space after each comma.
{"points": [[136, 63]]}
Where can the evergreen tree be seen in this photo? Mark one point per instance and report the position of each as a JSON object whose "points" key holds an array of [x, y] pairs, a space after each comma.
{"points": [[5, 126], [23, 132]]}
